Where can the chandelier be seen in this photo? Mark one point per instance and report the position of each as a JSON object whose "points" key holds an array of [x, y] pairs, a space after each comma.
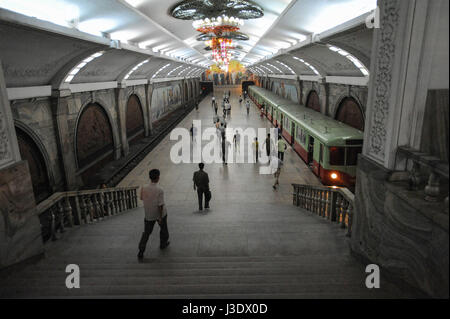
{"points": [[218, 22]]}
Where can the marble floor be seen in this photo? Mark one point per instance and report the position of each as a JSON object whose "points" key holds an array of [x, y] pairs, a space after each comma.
{"points": [[236, 183]]}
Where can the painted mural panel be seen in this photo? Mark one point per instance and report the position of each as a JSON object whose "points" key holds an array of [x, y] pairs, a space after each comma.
{"points": [[165, 100], [288, 91], [235, 74]]}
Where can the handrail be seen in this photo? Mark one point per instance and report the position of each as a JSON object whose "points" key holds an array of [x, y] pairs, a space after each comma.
{"points": [[333, 203], [66, 209]]}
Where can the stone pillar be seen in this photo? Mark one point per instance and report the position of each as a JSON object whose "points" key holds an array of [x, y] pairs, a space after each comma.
{"points": [[65, 112], [390, 65], [20, 230], [148, 105], [392, 227], [121, 106]]}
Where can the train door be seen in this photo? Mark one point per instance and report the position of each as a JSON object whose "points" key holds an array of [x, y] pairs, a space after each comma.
{"points": [[320, 158], [311, 150], [292, 132]]}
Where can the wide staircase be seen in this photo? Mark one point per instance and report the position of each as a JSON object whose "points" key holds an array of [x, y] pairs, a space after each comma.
{"points": [[276, 251]]}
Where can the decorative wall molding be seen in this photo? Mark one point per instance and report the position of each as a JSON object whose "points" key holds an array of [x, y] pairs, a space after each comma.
{"points": [[9, 149], [382, 73]]}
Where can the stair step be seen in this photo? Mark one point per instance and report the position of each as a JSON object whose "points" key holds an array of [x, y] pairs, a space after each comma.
{"points": [[196, 289]]}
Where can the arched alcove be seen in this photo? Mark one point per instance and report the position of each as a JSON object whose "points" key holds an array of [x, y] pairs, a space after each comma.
{"points": [[134, 119], [94, 137], [349, 112], [30, 152], [313, 101]]}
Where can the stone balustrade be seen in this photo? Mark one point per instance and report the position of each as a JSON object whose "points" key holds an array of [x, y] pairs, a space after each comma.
{"points": [[333, 203], [68, 209], [438, 171]]}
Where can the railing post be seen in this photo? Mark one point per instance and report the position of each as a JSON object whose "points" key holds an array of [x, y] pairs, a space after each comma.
{"points": [[78, 209], [90, 207], [135, 197], [52, 223], [116, 202], [60, 217], [350, 220], [295, 199], [333, 206], [68, 211], [344, 204]]}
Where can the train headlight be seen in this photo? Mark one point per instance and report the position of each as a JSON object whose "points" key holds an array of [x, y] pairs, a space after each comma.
{"points": [[334, 176]]}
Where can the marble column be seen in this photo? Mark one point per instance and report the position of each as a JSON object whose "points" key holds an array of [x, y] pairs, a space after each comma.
{"points": [[392, 227], [20, 231]]}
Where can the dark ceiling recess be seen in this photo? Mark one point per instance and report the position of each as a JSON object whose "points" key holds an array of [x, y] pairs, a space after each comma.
{"points": [[202, 9]]}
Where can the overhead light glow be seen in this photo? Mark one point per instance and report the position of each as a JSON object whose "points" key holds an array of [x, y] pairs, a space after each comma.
{"points": [[135, 68], [351, 58], [308, 65], [81, 65], [162, 68], [55, 11]]}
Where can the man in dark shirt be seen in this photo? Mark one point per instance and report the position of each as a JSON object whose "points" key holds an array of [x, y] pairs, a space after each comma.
{"points": [[201, 184]]}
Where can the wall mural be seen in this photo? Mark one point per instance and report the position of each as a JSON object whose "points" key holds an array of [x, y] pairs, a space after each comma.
{"points": [[94, 134], [287, 91], [134, 116], [234, 76], [165, 100]]}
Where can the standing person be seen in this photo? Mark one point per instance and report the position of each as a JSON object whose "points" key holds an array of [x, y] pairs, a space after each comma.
{"points": [[282, 146], [224, 159], [240, 100], [236, 140], [213, 100], [196, 105], [201, 184], [279, 130], [256, 145], [155, 211], [228, 105], [276, 165], [268, 143], [215, 107], [247, 105]]}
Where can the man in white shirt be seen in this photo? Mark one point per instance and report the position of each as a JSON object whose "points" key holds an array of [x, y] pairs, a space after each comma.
{"points": [[155, 211]]}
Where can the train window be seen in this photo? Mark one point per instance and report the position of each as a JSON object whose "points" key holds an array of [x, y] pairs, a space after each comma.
{"points": [[352, 155], [337, 156]]}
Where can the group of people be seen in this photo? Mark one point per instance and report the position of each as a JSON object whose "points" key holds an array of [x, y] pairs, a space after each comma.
{"points": [[152, 194]]}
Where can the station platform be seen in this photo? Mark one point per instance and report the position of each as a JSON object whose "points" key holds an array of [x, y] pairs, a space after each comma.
{"points": [[252, 243]]}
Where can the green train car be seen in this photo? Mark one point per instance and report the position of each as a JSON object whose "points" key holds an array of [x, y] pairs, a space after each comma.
{"points": [[330, 147]]}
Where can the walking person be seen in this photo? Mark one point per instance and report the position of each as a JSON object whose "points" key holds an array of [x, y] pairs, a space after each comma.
{"points": [[236, 140], [247, 105], [256, 146], [279, 130], [213, 100], [201, 184], [215, 107], [240, 100], [268, 144], [282, 146], [155, 211], [276, 165]]}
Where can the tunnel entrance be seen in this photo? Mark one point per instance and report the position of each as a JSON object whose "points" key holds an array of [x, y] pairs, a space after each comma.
{"points": [[30, 152], [313, 101], [349, 112]]}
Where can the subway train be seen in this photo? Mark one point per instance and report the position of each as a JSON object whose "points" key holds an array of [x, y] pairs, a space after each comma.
{"points": [[328, 146]]}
